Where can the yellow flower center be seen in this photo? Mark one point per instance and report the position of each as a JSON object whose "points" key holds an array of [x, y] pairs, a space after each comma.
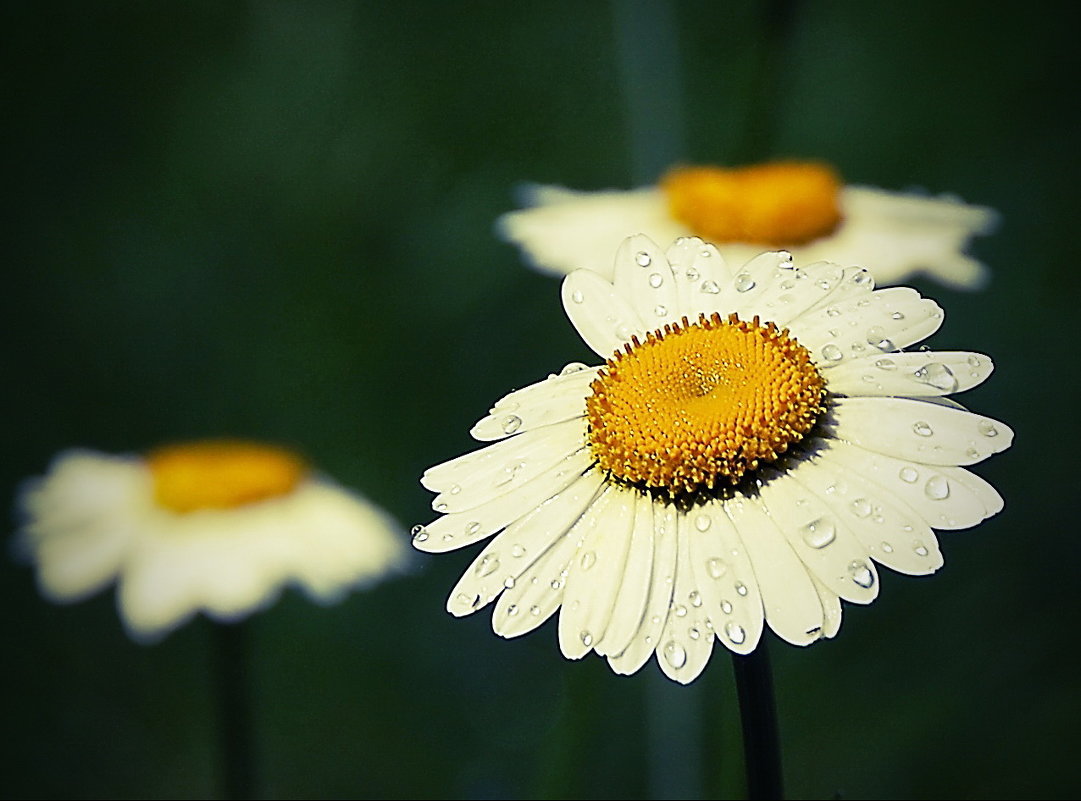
{"points": [[777, 204], [698, 405], [221, 474]]}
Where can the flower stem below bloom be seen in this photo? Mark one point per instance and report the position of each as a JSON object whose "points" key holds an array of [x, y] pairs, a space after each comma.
{"points": [[758, 715], [230, 655]]}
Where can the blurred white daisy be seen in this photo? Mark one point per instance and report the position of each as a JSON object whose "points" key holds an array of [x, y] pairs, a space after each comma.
{"points": [[217, 526], [754, 444], [802, 207]]}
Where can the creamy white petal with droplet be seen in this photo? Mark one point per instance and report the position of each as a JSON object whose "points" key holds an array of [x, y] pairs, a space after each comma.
{"points": [[464, 528], [537, 594], [512, 467], [529, 542], [565, 405], [821, 539], [831, 609], [922, 432], [686, 640], [643, 276], [912, 374], [594, 577], [893, 534], [757, 281], [789, 599], [630, 604], [700, 274], [603, 318], [932, 492], [644, 642], [574, 377]]}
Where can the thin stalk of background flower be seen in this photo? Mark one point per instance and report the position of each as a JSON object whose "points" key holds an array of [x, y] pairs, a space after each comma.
{"points": [[230, 655]]}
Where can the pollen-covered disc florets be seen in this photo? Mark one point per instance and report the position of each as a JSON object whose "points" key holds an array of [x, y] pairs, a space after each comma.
{"points": [[697, 405]]}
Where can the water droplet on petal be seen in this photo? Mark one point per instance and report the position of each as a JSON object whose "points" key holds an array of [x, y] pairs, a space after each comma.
{"points": [[711, 287], [819, 533], [974, 361], [441, 507], [716, 567], [741, 588], [735, 633], [861, 574], [517, 551], [589, 558], [909, 475], [534, 610], [420, 533], [703, 522], [692, 274], [587, 639], [923, 428], [876, 336], [920, 548], [693, 633], [655, 280], [886, 364], [573, 367], [832, 353], [643, 259], [675, 654], [861, 507], [987, 428], [509, 582], [681, 610], [577, 296], [488, 564], [897, 316], [511, 423], [726, 607], [695, 598], [744, 282], [886, 547], [833, 311], [937, 488], [937, 375], [472, 528], [660, 310], [862, 278]]}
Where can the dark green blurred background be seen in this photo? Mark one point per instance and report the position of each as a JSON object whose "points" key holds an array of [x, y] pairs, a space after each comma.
{"points": [[274, 220]]}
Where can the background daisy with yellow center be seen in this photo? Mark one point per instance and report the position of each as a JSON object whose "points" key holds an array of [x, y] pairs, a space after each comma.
{"points": [[214, 526], [756, 441], [802, 207]]}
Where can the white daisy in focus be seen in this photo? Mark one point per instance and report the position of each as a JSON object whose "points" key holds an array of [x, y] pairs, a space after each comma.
{"points": [[216, 526], [801, 207], [754, 444]]}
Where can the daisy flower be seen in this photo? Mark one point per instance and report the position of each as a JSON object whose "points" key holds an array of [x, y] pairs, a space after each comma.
{"points": [[756, 442], [217, 526], [802, 207]]}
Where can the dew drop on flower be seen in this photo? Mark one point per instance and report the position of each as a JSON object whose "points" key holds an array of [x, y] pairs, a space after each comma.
{"points": [[987, 428], [741, 588], [937, 488], [735, 633], [577, 296], [861, 507], [716, 567], [937, 375], [886, 364], [909, 475], [587, 639], [923, 428], [420, 534], [832, 353], [589, 558], [642, 259], [726, 607], [744, 282], [511, 423], [819, 533], [655, 280], [675, 654], [711, 287], [703, 522], [861, 574]]}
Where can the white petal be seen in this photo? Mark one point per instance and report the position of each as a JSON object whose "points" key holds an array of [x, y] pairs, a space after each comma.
{"points": [[602, 317], [595, 572], [560, 397], [687, 639], [831, 609], [519, 546], [464, 528], [912, 374], [821, 539], [700, 274], [537, 452], [922, 432], [936, 494], [630, 604], [758, 280], [531, 553], [77, 562], [988, 495], [568, 230], [880, 322], [644, 277], [789, 599], [893, 534], [730, 597], [644, 642]]}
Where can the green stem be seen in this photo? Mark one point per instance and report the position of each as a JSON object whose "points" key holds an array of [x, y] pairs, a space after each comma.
{"points": [[234, 710], [758, 716]]}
